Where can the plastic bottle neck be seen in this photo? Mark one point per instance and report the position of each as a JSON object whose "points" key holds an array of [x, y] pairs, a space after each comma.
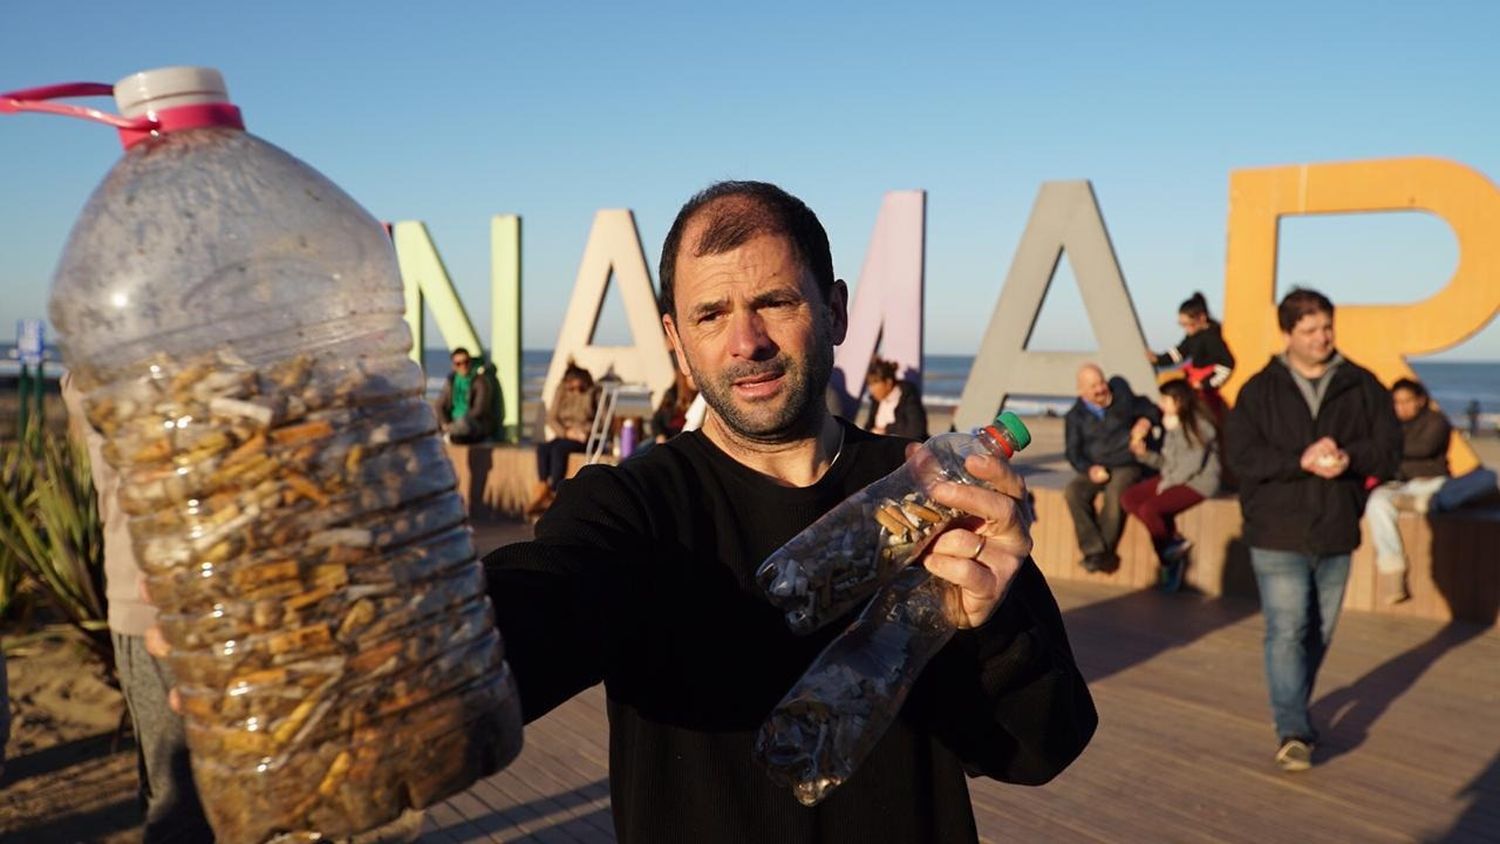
{"points": [[996, 441], [182, 118]]}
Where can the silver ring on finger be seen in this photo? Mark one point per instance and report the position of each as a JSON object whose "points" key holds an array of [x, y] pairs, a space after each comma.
{"points": [[979, 549]]}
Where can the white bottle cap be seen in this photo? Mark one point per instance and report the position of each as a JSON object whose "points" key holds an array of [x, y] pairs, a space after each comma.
{"points": [[169, 87]]}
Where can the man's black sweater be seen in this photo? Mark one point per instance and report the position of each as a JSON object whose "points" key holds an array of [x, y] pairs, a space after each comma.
{"points": [[642, 576]]}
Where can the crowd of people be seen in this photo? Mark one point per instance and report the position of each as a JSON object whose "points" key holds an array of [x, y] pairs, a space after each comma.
{"points": [[641, 576], [1313, 443]]}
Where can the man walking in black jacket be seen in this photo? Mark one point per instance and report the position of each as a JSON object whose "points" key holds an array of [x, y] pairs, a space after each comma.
{"points": [[1098, 429], [1305, 435]]}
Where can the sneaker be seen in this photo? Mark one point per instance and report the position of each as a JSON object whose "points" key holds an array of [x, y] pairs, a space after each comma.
{"points": [[1170, 577], [1176, 548], [1091, 562], [1392, 587], [1294, 755]]}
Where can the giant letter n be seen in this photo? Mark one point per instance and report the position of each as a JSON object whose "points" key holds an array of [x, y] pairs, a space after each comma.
{"points": [[1379, 337]]}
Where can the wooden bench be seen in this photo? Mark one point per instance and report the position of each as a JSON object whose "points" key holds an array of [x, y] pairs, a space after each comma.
{"points": [[1454, 557], [496, 480]]}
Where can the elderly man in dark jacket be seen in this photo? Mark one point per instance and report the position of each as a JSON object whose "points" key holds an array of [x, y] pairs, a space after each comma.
{"points": [[1098, 429], [1305, 434]]}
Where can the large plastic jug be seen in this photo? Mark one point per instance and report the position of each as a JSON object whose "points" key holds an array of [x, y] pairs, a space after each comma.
{"points": [[235, 322]]}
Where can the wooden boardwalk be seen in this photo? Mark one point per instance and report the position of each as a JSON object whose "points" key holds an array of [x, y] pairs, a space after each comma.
{"points": [[1410, 710]]}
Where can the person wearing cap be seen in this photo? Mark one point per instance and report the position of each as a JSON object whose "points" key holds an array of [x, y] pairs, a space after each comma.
{"points": [[1306, 434]]}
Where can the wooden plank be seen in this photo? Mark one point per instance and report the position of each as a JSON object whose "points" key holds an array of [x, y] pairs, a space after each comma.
{"points": [[1451, 573], [1185, 742]]}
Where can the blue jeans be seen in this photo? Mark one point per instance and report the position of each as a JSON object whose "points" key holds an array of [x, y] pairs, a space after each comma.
{"points": [[1301, 595]]}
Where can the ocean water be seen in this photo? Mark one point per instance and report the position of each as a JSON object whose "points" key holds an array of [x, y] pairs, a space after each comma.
{"points": [[1453, 385]]}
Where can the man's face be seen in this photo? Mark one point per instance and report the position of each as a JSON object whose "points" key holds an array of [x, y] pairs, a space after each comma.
{"points": [[880, 388], [461, 364], [1310, 342], [1407, 404], [1093, 388], [754, 334]]}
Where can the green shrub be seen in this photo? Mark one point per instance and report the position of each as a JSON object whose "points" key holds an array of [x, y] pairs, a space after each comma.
{"points": [[50, 533]]}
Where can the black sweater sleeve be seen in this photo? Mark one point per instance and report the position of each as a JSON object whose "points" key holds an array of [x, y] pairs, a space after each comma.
{"points": [[1015, 706], [1207, 348], [562, 600], [1170, 357]]}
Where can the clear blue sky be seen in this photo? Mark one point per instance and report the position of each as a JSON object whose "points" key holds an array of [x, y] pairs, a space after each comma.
{"points": [[451, 112]]}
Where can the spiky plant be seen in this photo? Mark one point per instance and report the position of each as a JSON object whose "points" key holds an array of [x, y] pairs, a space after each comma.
{"points": [[50, 528]]}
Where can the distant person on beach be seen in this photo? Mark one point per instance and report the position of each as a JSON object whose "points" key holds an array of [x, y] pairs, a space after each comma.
{"points": [[468, 408], [1203, 355], [1097, 431], [1305, 434], [1472, 412], [1188, 460], [169, 799], [1423, 484], [641, 575], [571, 413], [1425, 433], [896, 405], [671, 415]]}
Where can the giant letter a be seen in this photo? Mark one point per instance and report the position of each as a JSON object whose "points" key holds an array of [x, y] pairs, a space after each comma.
{"points": [[1065, 216]]}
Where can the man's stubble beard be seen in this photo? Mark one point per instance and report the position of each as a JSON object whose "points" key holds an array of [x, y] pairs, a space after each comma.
{"points": [[803, 388]]}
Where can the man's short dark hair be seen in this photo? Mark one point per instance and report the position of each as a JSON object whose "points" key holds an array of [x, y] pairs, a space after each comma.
{"points": [[1411, 385], [1300, 303], [459, 351], [739, 212]]}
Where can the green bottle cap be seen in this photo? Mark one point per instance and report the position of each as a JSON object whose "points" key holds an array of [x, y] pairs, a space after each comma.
{"points": [[1012, 424]]}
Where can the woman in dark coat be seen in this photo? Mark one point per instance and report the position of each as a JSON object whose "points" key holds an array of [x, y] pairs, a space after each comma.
{"points": [[896, 409]]}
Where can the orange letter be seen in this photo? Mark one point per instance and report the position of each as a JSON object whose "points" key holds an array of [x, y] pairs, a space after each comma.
{"points": [[1379, 337]]}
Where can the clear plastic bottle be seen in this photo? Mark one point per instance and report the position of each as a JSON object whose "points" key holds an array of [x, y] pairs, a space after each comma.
{"points": [[825, 727], [840, 559], [235, 322]]}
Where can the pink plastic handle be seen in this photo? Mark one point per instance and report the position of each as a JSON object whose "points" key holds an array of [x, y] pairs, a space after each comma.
{"points": [[38, 99]]}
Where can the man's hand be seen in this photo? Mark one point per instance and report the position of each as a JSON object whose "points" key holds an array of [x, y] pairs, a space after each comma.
{"points": [[1141, 429], [983, 552], [1325, 459], [1138, 446], [157, 646], [1098, 474]]}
